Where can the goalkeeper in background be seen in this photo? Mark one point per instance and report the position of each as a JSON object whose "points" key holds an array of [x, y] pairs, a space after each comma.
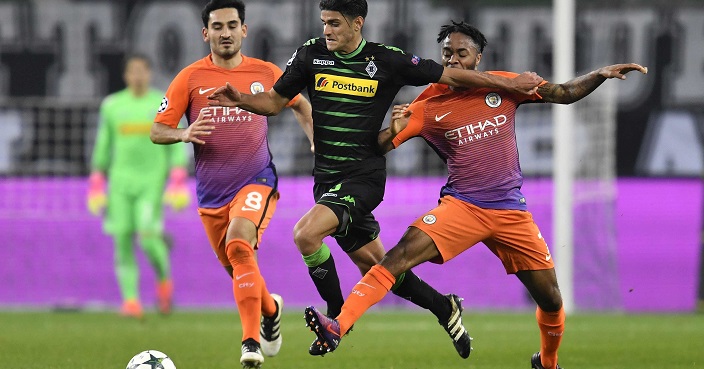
{"points": [[137, 172]]}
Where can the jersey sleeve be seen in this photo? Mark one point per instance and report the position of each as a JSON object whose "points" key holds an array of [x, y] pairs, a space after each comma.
{"points": [[100, 159], [415, 123], [277, 74], [533, 97], [175, 102], [413, 70], [295, 77]]}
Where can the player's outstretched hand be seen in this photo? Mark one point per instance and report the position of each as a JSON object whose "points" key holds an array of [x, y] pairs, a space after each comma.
{"points": [[203, 126], [527, 83], [225, 96], [399, 118], [619, 70]]}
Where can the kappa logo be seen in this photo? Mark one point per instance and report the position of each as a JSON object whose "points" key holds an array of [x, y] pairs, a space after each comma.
{"points": [[437, 119], [323, 62], [202, 91]]}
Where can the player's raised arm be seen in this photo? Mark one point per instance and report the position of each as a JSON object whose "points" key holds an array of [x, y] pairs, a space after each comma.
{"points": [[526, 83], [399, 120], [265, 103], [577, 88]]}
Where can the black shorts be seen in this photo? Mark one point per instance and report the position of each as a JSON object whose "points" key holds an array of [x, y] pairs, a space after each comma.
{"points": [[353, 200]]}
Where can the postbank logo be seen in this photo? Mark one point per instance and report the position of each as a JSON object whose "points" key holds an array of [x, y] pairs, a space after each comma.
{"points": [[346, 85]]}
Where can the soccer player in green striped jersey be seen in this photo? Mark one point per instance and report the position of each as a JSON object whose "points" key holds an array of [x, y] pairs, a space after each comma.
{"points": [[351, 83]]}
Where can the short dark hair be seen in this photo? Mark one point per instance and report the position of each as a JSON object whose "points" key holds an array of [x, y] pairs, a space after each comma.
{"points": [[136, 56], [466, 29], [221, 4], [348, 8]]}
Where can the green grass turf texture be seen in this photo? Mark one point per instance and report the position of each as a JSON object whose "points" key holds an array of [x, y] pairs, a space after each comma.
{"points": [[381, 339]]}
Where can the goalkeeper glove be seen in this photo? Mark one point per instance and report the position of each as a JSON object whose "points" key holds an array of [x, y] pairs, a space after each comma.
{"points": [[177, 194], [96, 193]]}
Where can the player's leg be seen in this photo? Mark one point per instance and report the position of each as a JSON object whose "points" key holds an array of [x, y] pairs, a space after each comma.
{"points": [[375, 284], [408, 285], [550, 315], [216, 222], [523, 251], [150, 224], [319, 222], [260, 312], [119, 222]]}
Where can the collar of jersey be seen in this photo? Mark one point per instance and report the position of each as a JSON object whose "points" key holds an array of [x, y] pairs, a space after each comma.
{"points": [[354, 53]]}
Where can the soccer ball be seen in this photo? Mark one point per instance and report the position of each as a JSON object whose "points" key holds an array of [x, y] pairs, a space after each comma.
{"points": [[151, 359]]}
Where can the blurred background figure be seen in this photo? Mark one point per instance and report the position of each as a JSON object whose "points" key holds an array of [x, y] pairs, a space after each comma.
{"points": [[128, 184]]}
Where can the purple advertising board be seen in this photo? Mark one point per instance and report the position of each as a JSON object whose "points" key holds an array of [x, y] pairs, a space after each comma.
{"points": [[54, 254]]}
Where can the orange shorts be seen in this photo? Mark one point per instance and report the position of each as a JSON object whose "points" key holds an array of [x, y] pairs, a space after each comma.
{"points": [[512, 235], [254, 202]]}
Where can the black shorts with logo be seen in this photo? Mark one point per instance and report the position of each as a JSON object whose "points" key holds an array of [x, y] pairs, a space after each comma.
{"points": [[353, 200]]}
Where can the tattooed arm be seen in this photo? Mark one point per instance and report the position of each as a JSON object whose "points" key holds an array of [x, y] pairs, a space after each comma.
{"points": [[577, 88]]}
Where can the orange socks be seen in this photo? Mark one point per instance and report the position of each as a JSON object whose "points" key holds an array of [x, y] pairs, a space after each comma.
{"points": [[367, 292], [551, 324], [247, 285]]}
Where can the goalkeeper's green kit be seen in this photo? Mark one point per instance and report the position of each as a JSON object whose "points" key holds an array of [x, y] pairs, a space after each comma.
{"points": [[137, 172]]}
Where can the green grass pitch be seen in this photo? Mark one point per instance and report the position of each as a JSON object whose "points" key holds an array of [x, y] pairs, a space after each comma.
{"points": [[381, 339]]}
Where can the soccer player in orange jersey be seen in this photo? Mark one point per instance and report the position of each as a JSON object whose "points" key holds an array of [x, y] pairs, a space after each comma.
{"points": [[473, 131], [236, 179]]}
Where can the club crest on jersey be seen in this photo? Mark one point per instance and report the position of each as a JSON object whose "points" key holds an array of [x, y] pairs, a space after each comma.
{"points": [[371, 69], [164, 104], [256, 88], [493, 99], [429, 219]]}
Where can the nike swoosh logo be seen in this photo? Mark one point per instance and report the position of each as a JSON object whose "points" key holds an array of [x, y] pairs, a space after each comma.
{"points": [[243, 275], [202, 91], [329, 329], [365, 284], [437, 119]]}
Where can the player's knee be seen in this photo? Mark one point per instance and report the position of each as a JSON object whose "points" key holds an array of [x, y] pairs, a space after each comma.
{"points": [[239, 252], [304, 239], [551, 301]]}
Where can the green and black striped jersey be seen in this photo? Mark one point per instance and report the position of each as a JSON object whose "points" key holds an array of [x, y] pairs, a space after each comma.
{"points": [[350, 95]]}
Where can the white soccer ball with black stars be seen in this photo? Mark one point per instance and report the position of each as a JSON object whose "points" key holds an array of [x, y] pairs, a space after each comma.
{"points": [[151, 359]]}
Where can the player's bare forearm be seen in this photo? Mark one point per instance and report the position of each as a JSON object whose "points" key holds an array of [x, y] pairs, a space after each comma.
{"points": [[399, 121], [577, 88], [265, 103], [385, 140], [162, 134], [303, 112], [525, 83]]}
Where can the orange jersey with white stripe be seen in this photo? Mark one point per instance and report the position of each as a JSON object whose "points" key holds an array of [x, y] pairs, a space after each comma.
{"points": [[237, 151], [474, 133]]}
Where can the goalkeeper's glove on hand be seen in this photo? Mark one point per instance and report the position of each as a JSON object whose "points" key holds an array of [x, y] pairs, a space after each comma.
{"points": [[96, 193], [177, 194]]}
